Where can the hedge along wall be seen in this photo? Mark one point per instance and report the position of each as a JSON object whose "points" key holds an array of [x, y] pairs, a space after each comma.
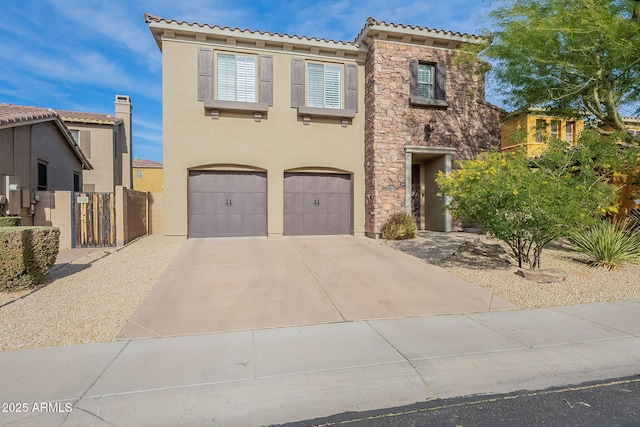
{"points": [[10, 221], [26, 255]]}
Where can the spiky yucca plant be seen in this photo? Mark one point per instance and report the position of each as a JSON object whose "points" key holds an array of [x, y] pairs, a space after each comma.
{"points": [[608, 245]]}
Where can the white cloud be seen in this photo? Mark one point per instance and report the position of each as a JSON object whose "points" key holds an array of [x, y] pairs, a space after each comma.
{"points": [[116, 21]]}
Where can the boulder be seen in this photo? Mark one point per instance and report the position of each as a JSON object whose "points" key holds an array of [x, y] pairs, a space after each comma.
{"points": [[543, 276]]}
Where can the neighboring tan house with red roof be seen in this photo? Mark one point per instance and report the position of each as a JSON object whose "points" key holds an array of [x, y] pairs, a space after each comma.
{"points": [[275, 134], [106, 141], [147, 176], [37, 152]]}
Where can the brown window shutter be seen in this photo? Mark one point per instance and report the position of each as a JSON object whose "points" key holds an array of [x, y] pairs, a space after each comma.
{"points": [[351, 102], [205, 74], [85, 142], [441, 80], [413, 80], [297, 82], [265, 70]]}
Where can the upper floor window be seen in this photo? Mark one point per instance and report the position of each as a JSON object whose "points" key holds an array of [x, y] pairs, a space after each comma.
{"points": [[236, 78], [324, 89], [235, 82], [76, 181], [425, 81], [427, 84], [540, 129], [569, 131], [42, 175], [324, 85], [139, 174], [75, 135], [555, 129]]}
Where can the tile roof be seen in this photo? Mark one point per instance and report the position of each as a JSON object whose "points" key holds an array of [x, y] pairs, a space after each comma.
{"points": [[79, 117], [146, 164], [148, 18], [10, 114], [18, 114], [631, 119], [371, 22]]}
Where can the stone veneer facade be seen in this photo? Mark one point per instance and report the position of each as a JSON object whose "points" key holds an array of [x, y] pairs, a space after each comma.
{"points": [[468, 124]]}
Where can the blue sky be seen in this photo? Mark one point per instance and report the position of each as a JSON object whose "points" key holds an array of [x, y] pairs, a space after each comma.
{"points": [[78, 54]]}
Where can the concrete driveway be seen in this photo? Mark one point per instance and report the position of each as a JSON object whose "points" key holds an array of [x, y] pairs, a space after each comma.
{"points": [[216, 285]]}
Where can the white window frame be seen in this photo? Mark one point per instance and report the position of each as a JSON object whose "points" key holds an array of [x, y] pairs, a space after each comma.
{"points": [[325, 85], [236, 77]]}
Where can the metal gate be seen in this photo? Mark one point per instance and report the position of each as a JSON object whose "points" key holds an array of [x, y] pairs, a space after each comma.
{"points": [[93, 220]]}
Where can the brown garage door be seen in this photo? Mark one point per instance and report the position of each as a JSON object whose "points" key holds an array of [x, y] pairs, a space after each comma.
{"points": [[317, 204], [224, 204]]}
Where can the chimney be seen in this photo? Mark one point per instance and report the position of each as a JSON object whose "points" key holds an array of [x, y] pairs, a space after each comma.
{"points": [[123, 111]]}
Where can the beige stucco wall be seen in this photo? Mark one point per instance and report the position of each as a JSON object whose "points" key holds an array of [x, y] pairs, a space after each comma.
{"points": [[107, 168], [280, 142], [156, 213], [54, 210], [22, 146], [48, 144]]}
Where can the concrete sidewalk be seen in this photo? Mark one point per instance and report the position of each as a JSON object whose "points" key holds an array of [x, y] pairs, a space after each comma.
{"points": [[267, 376]]}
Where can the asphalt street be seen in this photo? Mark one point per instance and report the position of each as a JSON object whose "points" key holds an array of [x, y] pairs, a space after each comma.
{"points": [[615, 402]]}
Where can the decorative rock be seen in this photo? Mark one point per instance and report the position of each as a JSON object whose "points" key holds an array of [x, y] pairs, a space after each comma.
{"points": [[543, 276]]}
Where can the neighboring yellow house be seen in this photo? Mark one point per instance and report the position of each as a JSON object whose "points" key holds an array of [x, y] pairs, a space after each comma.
{"points": [[532, 129], [633, 125], [147, 176], [629, 189]]}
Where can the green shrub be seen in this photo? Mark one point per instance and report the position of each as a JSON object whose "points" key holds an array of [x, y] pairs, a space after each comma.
{"points": [[608, 245], [10, 221], [400, 226], [26, 255]]}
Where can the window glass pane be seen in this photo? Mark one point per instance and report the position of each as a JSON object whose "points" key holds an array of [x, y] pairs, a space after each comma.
{"points": [[226, 77], [555, 129], [324, 86], [76, 181], [425, 81], [246, 66], [333, 83], [315, 85], [42, 176], [569, 132], [540, 128]]}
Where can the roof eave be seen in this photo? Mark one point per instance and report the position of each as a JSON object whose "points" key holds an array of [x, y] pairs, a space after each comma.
{"points": [[86, 165], [429, 37], [161, 28], [92, 121]]}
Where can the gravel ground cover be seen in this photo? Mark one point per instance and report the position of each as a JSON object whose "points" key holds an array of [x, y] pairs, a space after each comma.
{"points": [[488, 263], [88, 300]]}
